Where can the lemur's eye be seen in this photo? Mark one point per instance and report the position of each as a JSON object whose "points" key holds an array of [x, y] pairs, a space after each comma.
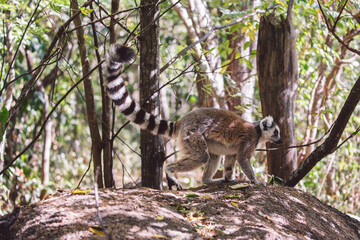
{"points": [[276, 133]]}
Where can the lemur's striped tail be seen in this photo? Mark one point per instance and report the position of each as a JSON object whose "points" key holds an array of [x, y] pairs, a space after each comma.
{"points": [[117, 56]]}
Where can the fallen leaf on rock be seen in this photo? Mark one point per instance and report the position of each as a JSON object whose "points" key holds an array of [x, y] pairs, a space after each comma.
{"points": [[96, 229], [80, 191], [239, 186]]}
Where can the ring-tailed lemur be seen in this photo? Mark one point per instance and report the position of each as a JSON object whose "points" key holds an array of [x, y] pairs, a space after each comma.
{"points": [[202, 134]]}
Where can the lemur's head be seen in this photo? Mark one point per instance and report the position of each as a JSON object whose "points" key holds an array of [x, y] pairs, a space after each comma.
{"points": [[270, 131]]}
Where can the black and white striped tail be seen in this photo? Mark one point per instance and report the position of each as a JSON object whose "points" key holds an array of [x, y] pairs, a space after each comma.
{"points": [[117, 56]]}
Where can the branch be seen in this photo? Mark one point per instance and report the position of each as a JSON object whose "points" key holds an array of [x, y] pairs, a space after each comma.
{"points": [[47, 118], [182, 52], [332, 31], [338, 17], [297, 146], [330, 144]]}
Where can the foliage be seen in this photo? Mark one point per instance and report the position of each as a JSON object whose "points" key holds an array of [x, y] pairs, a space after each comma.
{"points": [[71, 148]]}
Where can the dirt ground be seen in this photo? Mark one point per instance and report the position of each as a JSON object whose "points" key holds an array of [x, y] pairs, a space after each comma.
{"points": [[213, 212]]}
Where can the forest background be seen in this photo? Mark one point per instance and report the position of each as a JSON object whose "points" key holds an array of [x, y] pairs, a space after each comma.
{"points": [[47, 108]]}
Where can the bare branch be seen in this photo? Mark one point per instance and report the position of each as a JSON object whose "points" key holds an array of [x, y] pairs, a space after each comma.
{"points": [[338, 17]]}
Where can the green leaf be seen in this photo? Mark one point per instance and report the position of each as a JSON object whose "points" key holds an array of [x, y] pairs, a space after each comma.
{"points": [[239, 186], [86, 11], [246, 45], [248, 63], [4, 116], [191, 195]]}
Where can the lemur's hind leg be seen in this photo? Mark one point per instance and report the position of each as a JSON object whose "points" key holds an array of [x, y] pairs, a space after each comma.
{"points": [[210, 169], [229, 168], [193, 154]]}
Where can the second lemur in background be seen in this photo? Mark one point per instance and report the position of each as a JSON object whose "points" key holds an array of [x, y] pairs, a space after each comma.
{"points": [[203, 135]]}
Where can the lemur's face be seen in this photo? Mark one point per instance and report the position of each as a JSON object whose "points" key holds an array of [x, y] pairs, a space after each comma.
{"points": [[270, 130]]}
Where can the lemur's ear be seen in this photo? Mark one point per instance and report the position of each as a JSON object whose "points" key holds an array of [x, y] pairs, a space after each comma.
{"points": [[267, 122]]}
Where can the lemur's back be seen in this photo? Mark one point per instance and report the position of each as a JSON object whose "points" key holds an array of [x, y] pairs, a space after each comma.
{"points": [[222, 125]]}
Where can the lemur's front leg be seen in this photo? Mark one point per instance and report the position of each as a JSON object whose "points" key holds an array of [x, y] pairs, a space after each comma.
{"points": [[243, 157]]}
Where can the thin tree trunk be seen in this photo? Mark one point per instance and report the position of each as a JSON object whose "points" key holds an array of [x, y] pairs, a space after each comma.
{"points": [[96, 143], [241, 91], [196, 18], [45, 161], [152, 149], [278, 78], [106, 120]]}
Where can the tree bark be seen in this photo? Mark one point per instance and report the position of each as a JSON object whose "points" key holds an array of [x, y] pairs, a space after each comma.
{"points": [[45, 161], [278, 78], [330, 144], [96, 143], [152, 149]]}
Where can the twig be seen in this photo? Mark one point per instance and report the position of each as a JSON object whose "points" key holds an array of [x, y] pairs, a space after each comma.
{"points": [[351, 135], [125, 168], [87, 170], [169, 82], [324, 178], [108, 236], [338, 17], [332, 31], [298, 146]]}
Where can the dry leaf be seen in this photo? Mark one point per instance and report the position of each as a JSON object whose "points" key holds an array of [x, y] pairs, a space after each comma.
{"points": [[159, 236], [160, 218]]}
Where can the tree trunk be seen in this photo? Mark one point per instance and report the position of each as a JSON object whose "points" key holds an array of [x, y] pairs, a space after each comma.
{"points": [[241, 91], [152, 149], [106, 108], [45, 161], [278, 78], [96, 143]]}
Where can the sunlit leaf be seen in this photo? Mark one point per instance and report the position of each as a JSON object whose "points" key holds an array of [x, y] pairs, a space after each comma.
{"points": [[159, 236], [239, 186], [191, 195], [160, 218], [80, 191], [96, 229], [232, 196]]}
